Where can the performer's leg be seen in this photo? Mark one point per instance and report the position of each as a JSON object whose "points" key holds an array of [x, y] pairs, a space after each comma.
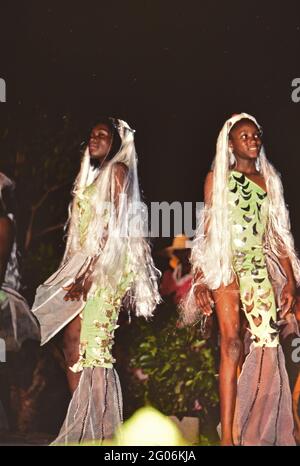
{"points": [[71, 341], [227, 300]]}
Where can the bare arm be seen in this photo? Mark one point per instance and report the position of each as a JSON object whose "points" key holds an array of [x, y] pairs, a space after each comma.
{"points": [[120, 173], [288, 294], [202, 293], [208, 189]]}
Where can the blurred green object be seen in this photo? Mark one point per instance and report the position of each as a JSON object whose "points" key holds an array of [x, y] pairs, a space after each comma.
{"points": [[148, 426]]}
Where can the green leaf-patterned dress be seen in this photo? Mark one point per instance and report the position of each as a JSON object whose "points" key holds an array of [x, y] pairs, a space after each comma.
{"points": [[248, 210], [263, 414]]}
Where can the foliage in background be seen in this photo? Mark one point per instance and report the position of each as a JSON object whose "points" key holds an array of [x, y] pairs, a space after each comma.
{"points": [[173, 369]]}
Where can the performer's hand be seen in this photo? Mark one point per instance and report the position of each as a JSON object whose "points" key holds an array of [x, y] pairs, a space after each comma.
{"points": [[204, 298], [77, 290], [287, 299]]}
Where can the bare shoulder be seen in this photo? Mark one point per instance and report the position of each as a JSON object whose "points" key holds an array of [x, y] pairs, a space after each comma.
{"points": [[120, 167], [120, 174], [209, 178], [120, 171]]}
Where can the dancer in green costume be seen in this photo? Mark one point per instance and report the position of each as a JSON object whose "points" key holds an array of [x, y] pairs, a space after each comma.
{"points": [[244, 260], [107, 259]]}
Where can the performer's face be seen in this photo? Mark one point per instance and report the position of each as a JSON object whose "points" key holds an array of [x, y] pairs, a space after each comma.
{"points": [[245, 140], [100, 141]]}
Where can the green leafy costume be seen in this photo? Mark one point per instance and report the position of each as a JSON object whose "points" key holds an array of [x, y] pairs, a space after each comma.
{"points": [[248, 211], [100, 314]]}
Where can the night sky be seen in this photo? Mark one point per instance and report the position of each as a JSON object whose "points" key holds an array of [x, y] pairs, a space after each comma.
{"points": [[174, 70]]}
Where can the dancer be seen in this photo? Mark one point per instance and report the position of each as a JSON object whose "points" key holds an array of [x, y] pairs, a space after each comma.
{"points": [[244, 257], [107, 260]]}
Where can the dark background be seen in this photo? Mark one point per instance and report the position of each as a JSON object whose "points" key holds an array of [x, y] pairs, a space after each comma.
{"points": [[174, 70]]}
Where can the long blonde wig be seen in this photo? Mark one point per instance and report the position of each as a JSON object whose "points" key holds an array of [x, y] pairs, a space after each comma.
{"points": [[110, 237]]}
